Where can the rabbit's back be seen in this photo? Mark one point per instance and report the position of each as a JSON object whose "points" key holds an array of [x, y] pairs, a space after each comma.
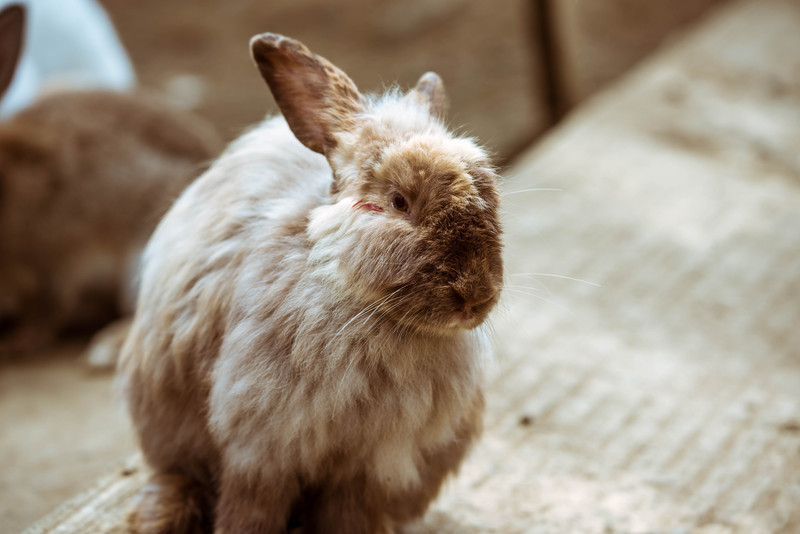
{"points": [[95, 169], [249, 209], [85, 178], [241, 222]]}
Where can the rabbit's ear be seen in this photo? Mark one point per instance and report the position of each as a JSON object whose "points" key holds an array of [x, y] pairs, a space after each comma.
{"points": [[316, 98], [12, 31], [430, 92]]}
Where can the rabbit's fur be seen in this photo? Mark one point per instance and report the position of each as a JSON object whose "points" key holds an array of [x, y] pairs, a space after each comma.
{"points": [[305, 351], [84, 179]]}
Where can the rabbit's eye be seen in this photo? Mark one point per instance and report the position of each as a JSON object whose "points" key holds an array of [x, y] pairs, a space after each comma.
{"points": [[399, 202]]}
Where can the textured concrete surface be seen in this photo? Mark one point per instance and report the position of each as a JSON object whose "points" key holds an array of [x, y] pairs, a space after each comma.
{"points": [[61, 429], [666, 400]]}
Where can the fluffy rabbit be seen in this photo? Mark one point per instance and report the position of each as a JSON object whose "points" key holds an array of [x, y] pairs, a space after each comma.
{"points": [[305, 351], [84, 179], [88, 55]]}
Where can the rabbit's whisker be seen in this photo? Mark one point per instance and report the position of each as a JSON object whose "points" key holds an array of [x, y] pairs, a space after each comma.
{"points": [[372, 309], [509, 193], [366, 309], [534, 295], [534, 275], [541, 288]]}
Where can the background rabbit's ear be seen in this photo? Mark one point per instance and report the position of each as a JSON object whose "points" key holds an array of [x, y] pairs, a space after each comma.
{"points": [[430, 92], [316, 98], [12, 31]]}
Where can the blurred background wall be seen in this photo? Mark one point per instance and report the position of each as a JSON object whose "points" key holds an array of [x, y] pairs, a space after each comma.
{"points": [[511, 67], [597, 40]]}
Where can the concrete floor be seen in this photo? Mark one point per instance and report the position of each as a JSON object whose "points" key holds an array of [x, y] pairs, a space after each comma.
{"points": [[666, 400], [61, 429]]}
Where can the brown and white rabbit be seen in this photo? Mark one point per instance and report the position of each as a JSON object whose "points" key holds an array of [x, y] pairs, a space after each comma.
{"points": [[84, 179], [305, 351]]}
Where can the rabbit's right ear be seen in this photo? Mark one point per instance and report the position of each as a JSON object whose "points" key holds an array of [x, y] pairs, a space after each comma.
{"points": [[316, 98], [12, 32]]}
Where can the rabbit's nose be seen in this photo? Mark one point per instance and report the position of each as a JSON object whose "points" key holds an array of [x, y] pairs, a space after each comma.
{"points": [[470, 298]]}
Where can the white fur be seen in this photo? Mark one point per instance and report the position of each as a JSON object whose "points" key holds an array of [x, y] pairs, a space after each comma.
{"points": [[69, 44], [263, 422], [271, 322]]}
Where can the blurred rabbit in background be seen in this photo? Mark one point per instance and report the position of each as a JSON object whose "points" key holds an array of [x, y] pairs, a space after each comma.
{"points": [[85, 177], [69, 44]]}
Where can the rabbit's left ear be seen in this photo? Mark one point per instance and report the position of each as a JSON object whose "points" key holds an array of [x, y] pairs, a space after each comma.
{"points": [[12, 32], [316, 98], [430, 92]]}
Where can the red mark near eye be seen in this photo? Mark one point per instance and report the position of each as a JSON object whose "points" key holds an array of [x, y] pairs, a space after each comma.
{"points": [[367, 205]]}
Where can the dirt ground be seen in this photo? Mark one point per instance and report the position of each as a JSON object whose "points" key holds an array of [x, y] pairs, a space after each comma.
{"points": [[648, 372]]}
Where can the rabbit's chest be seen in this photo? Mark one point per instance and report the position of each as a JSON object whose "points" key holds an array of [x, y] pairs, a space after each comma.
{"points": [[385, 429], [339, 424], [325, 410]]}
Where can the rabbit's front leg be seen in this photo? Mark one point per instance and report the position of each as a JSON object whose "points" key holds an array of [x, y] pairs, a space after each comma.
{"points": [[253, 505], [348, 508], [172, 504]]}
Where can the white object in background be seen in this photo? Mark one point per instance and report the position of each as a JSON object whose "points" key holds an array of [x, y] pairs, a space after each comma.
{"points": [[87, 53]]}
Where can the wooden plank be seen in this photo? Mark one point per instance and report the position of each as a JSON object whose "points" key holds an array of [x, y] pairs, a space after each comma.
{"points": [[103, 508], [665, 400]]}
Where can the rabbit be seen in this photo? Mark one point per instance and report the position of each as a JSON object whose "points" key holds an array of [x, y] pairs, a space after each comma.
{"points": [[89, 54], [306, 351], [84, 178]]}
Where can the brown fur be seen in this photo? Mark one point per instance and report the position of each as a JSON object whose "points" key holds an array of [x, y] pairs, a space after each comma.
{"points": [[172, 503], [307, 362], [316, 100], [84, 178]]}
